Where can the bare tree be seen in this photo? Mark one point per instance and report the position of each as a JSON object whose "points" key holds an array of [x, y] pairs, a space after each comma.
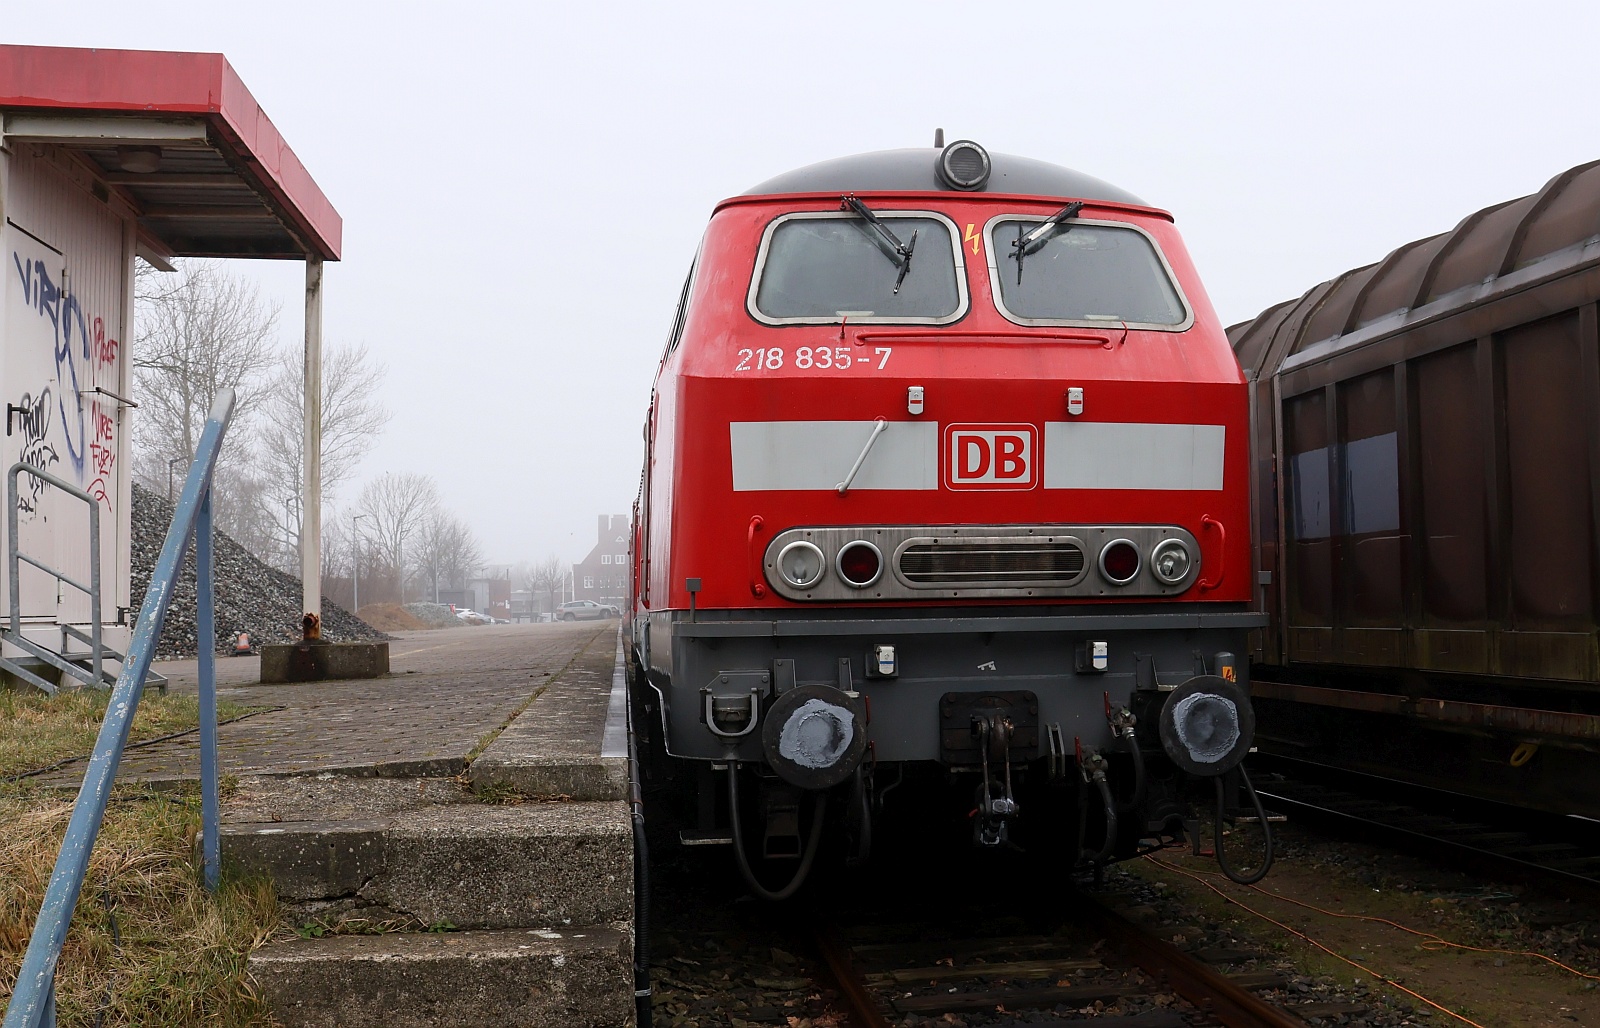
{"points": [[352, 418], [197, 332], [446, 551], [546, 578], [398, 507]]}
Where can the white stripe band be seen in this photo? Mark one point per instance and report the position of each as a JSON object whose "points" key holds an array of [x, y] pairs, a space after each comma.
{"points": [[1116, 455], [812, 455]]}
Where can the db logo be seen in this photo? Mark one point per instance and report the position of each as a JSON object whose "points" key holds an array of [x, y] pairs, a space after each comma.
{"points": [[990, 456]]}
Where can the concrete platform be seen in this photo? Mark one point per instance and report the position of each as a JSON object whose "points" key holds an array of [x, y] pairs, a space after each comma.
{"points": [[556, 747], [581, 978], [542, 865], [363, 800]]}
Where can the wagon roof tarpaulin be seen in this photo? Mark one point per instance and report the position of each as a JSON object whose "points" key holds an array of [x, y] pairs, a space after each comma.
{"points": [[181, 139]]}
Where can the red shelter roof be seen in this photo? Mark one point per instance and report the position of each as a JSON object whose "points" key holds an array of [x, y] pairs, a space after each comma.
{"points": [[181, 139]]}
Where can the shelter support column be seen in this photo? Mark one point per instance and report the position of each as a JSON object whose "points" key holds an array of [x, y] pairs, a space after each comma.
{"points": [[311, 513]]}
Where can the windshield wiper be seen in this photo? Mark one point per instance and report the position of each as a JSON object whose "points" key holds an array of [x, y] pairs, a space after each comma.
{"points": [[1033, 241], [887, 241]]}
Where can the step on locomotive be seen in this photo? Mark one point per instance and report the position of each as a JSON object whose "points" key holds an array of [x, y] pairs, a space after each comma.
{"points": [[946, 480]]}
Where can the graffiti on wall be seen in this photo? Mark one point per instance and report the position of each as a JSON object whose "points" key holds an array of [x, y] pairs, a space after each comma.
{"points": [[30, 418], [82, 355]]}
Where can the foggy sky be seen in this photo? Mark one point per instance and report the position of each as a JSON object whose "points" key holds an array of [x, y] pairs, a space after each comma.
{"points": [[523, 186]]}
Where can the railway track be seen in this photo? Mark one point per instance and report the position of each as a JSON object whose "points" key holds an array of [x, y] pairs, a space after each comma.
{"points": [[1096, 958], [1477, 837]]}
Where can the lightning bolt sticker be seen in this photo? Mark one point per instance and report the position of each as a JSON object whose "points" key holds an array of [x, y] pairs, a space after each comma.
{"points": [[972, 237]]}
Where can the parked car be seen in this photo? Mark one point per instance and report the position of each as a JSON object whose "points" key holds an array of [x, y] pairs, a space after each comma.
{"points": [[585, 610], [472, 617]]}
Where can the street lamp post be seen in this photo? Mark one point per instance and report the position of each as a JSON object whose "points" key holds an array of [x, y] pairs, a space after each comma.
{"points": [[355, 580], [170, 464]]}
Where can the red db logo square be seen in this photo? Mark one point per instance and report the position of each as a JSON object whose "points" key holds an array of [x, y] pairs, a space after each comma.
{"points": [[991, 457]]}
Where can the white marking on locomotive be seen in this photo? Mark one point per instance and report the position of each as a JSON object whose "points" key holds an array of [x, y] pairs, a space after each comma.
{"points": [[805, 455], [987, 665], [1112, 455]]}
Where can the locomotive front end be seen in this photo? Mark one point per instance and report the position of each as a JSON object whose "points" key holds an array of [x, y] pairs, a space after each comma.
{"points": [[947, 478]]}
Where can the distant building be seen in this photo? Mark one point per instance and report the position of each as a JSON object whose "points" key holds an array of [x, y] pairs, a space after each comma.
{"points": [[489, 594], [602, 576]]}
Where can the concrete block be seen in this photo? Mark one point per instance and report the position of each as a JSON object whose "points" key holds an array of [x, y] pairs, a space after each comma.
{"points": [[318, 662], [577, 978], [529, 865], [309, 860]]}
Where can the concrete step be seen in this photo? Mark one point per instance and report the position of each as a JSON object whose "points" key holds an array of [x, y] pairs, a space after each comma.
{"points": [[470, 865], [574, 978]]}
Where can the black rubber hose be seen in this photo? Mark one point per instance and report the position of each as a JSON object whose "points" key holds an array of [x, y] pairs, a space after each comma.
{"points": [[1110, 843], [1266, 835], [1140, 787], [807, 857], [864, 840]]}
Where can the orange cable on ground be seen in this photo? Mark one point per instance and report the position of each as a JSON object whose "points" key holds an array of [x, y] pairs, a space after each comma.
{"points": [[1435, 942], [1308, 939]]}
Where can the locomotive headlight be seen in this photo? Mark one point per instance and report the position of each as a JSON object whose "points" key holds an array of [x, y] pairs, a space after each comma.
{"points": [[860, 563], [801, 564], [1171, 561], [963, 165], [1119, 561]]}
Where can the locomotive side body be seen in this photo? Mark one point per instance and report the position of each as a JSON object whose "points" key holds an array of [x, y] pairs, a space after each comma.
{"points": [[944, 524], [1429, 434]]}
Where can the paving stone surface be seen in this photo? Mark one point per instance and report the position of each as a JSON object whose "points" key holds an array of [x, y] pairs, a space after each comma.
{"points": [[447, 692], [555, 748]]}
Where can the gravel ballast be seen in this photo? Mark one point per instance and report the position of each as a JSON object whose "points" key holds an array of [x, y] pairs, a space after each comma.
{"points": [[251, 596]]}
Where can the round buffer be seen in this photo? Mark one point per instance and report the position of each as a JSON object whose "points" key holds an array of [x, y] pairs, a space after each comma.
{"points": [[814, 736], [1207, 725]]}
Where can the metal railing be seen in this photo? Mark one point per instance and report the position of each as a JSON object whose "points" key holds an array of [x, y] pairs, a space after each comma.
{"points": [[33, 1003], [93, 676]]}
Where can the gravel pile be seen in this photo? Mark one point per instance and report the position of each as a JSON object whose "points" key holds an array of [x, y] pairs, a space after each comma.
{"points": [[251, 596], [434, 615]]}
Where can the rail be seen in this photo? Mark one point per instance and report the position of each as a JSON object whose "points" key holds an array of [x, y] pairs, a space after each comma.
{"points": [[14, 559], [33, 1003]]}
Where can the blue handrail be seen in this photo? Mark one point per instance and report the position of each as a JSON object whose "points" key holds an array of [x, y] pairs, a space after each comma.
{"points": [[33, 1003]]}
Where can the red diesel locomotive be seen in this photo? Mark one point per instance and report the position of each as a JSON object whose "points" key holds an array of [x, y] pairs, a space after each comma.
{"points": [[946, 471]]}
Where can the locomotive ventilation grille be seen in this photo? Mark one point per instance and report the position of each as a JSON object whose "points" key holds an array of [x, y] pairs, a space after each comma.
{"points": [[989, 564]]}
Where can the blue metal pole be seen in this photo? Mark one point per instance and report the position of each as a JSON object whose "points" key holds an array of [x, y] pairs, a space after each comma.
{"points": [[33, 997], [48, 1019], [206, 639]]}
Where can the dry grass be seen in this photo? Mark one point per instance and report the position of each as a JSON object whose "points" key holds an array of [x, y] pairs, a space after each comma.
{"points": [[182, 951], [37, 730], [181, 960]]}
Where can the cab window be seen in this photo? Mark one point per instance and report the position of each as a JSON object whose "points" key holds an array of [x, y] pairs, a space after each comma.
{"points": [[1083, 273], [820, 267]]}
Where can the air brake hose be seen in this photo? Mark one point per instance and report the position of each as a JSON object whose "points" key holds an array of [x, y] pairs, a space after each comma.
{"points": [[1266, 835], [807, 858], [1140, 787], [1109, 843]]}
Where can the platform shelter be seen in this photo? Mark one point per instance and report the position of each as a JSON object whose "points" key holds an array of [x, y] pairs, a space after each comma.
{"points": [[105, 156]]}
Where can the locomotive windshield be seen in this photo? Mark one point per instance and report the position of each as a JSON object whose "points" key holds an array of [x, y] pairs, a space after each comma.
{"points": [[1086, 272], [818, 267]]}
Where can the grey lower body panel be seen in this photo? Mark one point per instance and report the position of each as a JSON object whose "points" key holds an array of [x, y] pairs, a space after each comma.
{"points": [[726, 658]]}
